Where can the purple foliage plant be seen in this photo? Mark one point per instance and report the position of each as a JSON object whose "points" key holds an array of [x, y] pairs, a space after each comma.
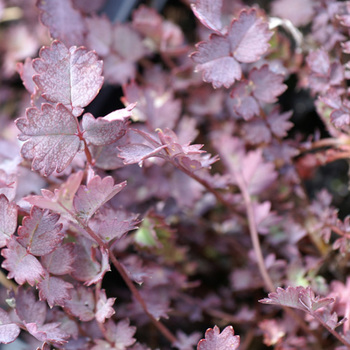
{"points": [[156, 189]]}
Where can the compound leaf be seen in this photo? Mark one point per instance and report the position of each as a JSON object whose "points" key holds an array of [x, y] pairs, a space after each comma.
{"points": [[246, 41]]}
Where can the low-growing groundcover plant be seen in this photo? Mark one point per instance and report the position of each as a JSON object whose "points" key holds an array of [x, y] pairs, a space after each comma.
{"points": [[155, 192]]}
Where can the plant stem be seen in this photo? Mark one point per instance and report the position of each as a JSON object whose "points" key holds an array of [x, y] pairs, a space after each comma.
{"points": [[165, 331], [6, 282], [254, 234], [330, 330]]}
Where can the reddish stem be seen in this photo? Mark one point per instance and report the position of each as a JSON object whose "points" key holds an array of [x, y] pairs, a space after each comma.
{"points": [[165, 331]]}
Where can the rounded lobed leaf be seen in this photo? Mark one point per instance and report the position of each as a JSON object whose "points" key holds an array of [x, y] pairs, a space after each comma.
{"points": [[249, 36], [39, 233], [209, 13], [68, 76], [22, 266], [54, 290], [9, 331], [214, 340], [97, 192], [63, 20], [51, 136]]}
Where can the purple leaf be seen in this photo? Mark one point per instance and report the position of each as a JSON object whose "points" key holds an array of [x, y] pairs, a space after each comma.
{"points": [[157, 304], [86, 268], [105, 267], [186, 342], [61, 200], [88, 7], [51, 136], [318, 62], [64, 22], [250, 167], [246, 41], [120, 334], [26, 72], [148, 22], [155, 105], [249, 36], [54, 290], [267, 84], [106, 130], [8, 220], [214, 340], [9, 331], [22, 266], [126, 48], [59, 262], [214, 60], [279, 123], [82, 304], [110, 225], [8, 184], [162, 35], [300, 12], [28, 308], [68, 76], [257, 173], [137, 152], [262, 86], [104, 307], [256, 131], [48, 332], [99, 35], [209, 13], [298, 298], [107, 157], [97, 192], [244, 105], [39, 233]]}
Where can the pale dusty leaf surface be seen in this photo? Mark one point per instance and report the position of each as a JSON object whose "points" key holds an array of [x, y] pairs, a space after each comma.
{"points": [[50, 136]]}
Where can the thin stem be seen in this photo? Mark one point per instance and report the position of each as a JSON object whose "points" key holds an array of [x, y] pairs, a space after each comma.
{"points": [[165, 331], [254, 234], [6, 282], [207, 186]]}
